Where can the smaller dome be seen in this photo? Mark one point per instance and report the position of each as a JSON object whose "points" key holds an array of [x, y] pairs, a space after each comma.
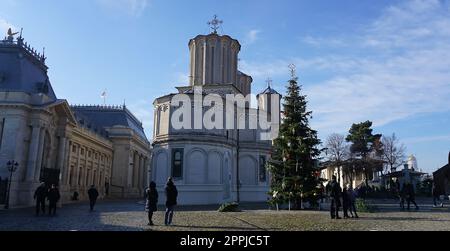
{"points": [[269, 90]]}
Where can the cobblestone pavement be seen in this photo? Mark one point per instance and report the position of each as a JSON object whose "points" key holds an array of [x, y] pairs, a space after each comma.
{"points": [[130, 216]]}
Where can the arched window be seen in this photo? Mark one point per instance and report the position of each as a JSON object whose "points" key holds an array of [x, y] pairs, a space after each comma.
{"points": [[177, 163]]}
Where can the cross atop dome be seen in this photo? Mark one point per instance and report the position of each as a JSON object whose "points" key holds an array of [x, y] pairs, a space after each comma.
{"points": [[269, 82], [215, 24]]}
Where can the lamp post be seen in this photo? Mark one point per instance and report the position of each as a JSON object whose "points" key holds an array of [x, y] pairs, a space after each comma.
{"points": [[12, 167]]}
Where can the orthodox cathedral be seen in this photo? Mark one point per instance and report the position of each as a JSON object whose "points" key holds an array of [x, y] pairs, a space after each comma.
{"points": [[213, 165]]}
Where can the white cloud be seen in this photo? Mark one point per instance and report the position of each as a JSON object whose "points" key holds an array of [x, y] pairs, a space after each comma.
{"points": [[404, 72], [415, 140], [252, 36], [319, 42], [131, 7]]}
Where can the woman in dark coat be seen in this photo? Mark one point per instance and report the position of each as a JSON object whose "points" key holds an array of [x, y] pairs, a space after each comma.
{"points": [[171, 202], [152, 201]]}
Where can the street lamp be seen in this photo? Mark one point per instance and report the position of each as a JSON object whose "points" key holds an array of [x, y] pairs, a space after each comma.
{"points": [[12, 167]]}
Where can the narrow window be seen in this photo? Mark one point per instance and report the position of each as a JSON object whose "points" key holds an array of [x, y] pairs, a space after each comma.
{"points": [[212, 65], [177, 163], [80, 172], [262, 169], [223, 65]]}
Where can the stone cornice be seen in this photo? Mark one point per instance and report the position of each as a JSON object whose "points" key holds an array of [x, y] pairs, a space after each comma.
{"points": [[91, 137]]}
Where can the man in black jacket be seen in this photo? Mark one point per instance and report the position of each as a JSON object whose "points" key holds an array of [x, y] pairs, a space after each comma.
{"points": [[53, 198], [335, 196], [171, 202], [39, 195], [410, 195], [93, 195]]}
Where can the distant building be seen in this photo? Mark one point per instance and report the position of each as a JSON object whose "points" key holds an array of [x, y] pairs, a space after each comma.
{"points": [[409, 174], [344, 177], [53, 142], [441, 178]]}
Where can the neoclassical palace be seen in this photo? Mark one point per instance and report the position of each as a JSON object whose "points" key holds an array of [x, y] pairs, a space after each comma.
{"points": [[73, 147]]}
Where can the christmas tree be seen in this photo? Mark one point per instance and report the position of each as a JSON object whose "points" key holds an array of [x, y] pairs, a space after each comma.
{"points": [[293, 165]]}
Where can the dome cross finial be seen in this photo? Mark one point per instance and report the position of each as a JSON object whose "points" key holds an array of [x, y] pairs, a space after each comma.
{"points": [[269, 82], [215, 24]]}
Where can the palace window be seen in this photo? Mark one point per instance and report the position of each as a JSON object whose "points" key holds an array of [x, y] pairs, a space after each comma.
{"points": [[82, 151], [71, 175], [80, 173], [74, 149], [262, 169], [177, 163]]}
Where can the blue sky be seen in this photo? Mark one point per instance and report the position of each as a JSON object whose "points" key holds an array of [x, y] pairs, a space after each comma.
{"points": [[386, 61]]}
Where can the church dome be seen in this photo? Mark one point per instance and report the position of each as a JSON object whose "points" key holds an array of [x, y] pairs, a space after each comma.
{"points": [[412, 163], [269, 90]]}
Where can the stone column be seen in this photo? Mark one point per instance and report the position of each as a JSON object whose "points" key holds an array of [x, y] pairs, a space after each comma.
{"points": [[141, 172], [61, 157], [33, 152], [66, 177], [146, 174], [130, 166], [38, 168], [136, 170], [77, 167]]}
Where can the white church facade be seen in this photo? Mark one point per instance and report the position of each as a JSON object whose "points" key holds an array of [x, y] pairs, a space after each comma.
{"points": [[212, 165]]}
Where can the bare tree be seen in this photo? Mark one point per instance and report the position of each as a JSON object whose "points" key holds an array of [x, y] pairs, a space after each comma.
{"points": [[337, 150], [393, 152]]}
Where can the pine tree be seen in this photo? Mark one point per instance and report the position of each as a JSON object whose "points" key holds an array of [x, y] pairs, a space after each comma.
{"points": [[295, 155]]}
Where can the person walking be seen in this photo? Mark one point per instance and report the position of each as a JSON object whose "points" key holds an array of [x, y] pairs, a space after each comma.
{"points": [[436, 196], [171, 201], [410, 195], [39, 195], [345, 202], [402, 195], [151, 205], [352, 201], [321, 195], [53, 198], [335, 196], [93, 195]]}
